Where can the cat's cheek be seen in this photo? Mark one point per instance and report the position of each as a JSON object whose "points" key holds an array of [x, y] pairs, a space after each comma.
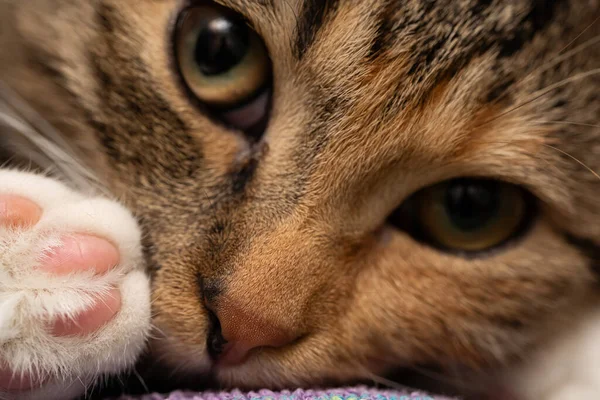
{"points": [[175, 353]]}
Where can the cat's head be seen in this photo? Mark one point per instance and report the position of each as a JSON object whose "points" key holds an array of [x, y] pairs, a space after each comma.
{"points": [[334, 189]]}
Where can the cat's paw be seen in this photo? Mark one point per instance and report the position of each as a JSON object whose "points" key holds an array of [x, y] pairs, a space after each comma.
{"points": [[74, 298]]}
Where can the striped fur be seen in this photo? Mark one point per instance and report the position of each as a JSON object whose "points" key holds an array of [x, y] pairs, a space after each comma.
{"points": [[373, 100]]}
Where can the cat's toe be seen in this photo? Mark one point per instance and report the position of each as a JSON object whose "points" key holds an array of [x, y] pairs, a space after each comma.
{"points": [[79, 252], [17, 211], [84, 253], [102, 311]]}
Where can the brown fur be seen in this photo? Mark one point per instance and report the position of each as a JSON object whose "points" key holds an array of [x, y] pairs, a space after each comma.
{"points": [[365, 113]]}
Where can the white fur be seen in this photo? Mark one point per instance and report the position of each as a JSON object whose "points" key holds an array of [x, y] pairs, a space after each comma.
{"points": [[567, 369], [30, 298]]}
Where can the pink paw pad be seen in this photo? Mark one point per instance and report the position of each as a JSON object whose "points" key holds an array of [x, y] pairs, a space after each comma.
{"points": [[17, 211], [78, 252]]}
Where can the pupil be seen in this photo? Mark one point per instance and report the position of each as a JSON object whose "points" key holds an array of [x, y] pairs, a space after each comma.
{"points": [[471, 204], [221, 45]]}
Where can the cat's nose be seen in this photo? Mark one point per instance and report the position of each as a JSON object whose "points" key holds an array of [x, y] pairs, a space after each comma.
{"points": [[236, 331]]}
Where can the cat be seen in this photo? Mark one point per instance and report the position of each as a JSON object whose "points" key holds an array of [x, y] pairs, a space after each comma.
{"points": [[282, 193]]}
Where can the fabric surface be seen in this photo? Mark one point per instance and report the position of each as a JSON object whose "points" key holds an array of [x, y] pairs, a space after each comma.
{"points": [[357, 393]]}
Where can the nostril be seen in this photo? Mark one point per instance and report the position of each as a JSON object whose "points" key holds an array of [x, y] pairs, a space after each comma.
{"points": [[215, 342]]}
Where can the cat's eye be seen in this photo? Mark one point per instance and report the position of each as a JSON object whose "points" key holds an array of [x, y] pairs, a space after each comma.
{"points": [[466, 215], [224, 63]]}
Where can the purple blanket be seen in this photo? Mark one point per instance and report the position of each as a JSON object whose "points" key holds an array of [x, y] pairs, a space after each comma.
{"points": [[357, 393]]}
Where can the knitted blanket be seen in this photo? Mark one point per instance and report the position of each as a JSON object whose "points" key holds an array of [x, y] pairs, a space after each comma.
{"points": [[356, 393]]}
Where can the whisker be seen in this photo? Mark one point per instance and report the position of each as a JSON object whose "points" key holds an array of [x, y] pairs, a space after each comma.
{"points": [[455, 382], [542, 92], [386, 382], [578, 36], [566, 123], [157, 331], [439, 377], [575, 159], [17, 103], [141, 380], [21, 119], [561, 58]]}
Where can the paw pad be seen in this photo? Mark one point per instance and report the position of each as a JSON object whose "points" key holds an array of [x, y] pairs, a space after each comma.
{"points": [[18, 211]]}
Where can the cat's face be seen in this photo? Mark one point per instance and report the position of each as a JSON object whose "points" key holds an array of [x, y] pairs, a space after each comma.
{"points": [[319, 238]]}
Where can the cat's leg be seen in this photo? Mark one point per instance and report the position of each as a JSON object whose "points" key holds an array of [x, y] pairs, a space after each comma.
{"points": [[74, 298]]}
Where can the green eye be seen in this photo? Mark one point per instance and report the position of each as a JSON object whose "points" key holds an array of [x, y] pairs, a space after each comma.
{"points": [[468, 215], [222, 60]]}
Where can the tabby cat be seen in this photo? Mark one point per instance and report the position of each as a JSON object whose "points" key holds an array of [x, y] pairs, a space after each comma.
{"points": [[282, 193]]}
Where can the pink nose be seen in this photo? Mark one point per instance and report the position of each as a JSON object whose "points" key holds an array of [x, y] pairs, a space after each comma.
{"points": [[244, 331]]}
